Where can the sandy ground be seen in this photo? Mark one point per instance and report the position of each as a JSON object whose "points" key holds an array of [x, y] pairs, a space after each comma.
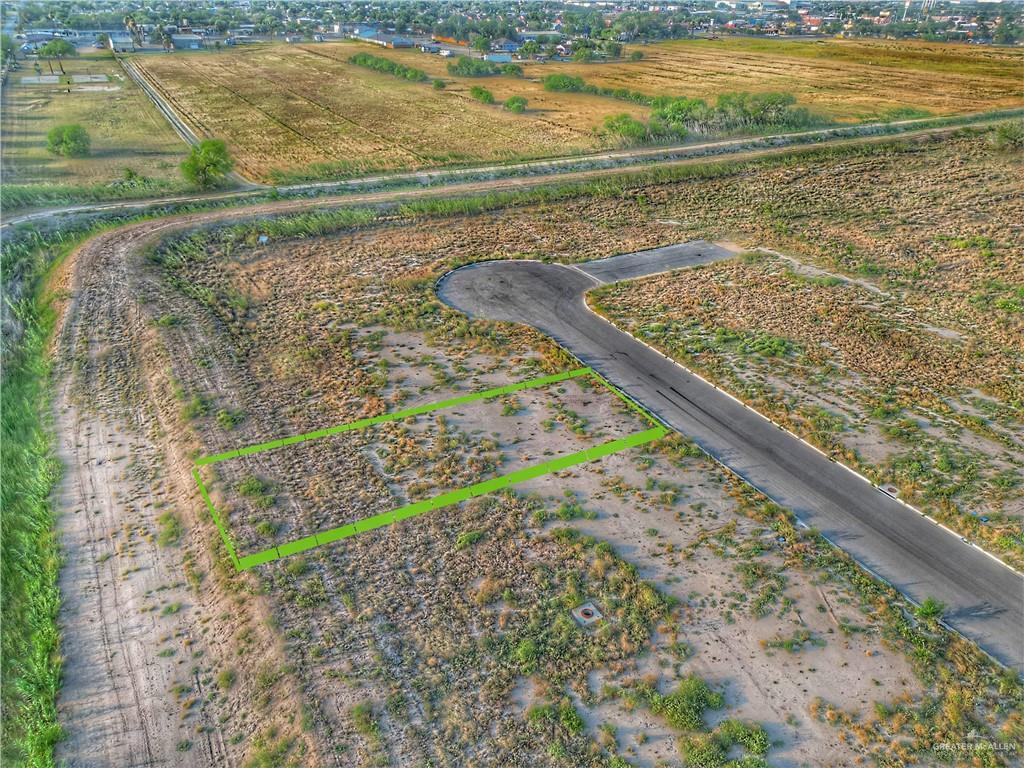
{"points": [[146, 628], [769, 686], [117, 706]]}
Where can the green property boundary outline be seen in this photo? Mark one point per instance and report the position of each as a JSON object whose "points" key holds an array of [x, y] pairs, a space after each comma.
{"points": [[436, 502]]}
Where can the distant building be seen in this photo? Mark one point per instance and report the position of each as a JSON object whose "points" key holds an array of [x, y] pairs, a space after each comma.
{"points": [[120, 43], [186, 42], [534, 34], [39, 37], [506, 46]]}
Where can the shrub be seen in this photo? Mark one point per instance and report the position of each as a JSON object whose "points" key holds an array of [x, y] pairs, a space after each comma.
{"points": [[481, 94], [564, 83], [229, 419], [684, 708], [570, 719], [170, 529], [226, 679], [68, 141], [207, 164], [439, 84], [930, 610], [516, 104], [257, 491], [1008, 136], [467, 539], [626, 127]]}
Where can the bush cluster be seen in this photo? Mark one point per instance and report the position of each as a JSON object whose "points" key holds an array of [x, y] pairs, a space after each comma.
{"points": [[481, 94], [381, 64], [464, 66]]}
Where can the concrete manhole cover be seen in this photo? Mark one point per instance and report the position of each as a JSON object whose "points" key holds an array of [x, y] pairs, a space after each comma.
{"points": [[586, 614]]}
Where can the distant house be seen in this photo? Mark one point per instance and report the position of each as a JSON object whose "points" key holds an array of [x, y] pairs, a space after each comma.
{"points": [[39, 37], [505, 46], [540, 34], [187, 42], [498, 58], [121, 43], [293, 38]]}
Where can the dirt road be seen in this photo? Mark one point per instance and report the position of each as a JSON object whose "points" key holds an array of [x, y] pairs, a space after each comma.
{"points": [[144, 633], [534, 172]]}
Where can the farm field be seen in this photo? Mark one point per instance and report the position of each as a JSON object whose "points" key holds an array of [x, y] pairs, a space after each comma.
{"points": [[298, 111], [846, 80], [449, 637], [126, 130], [289, 108]]}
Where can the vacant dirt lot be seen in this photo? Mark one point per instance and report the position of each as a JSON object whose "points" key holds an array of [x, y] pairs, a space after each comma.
{"points": [[886, 327], [302, 110], [448, 638]]}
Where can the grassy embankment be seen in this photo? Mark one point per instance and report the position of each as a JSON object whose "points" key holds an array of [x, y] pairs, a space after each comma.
{"points": [[28, 542]]}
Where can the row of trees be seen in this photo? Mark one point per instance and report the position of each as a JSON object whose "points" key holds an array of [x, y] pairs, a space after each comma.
{"points": [[677, 118], [382, 64]]}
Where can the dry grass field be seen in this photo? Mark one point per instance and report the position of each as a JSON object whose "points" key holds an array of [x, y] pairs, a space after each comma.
{"points": [[447, 639], [290, 107], [302, 110], [126, 130], [842, 79]]}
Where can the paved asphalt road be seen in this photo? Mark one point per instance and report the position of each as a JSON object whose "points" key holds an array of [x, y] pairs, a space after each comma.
{"points": [[985, 598]]}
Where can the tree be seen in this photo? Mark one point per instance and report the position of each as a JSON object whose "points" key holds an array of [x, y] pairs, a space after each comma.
{"points": [[529, 48], [6, 48], [613, 49], [1006, 33], [166, 40], [207, 164], [57, 49], [482, 44], [68, 141], [134, 30]]}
